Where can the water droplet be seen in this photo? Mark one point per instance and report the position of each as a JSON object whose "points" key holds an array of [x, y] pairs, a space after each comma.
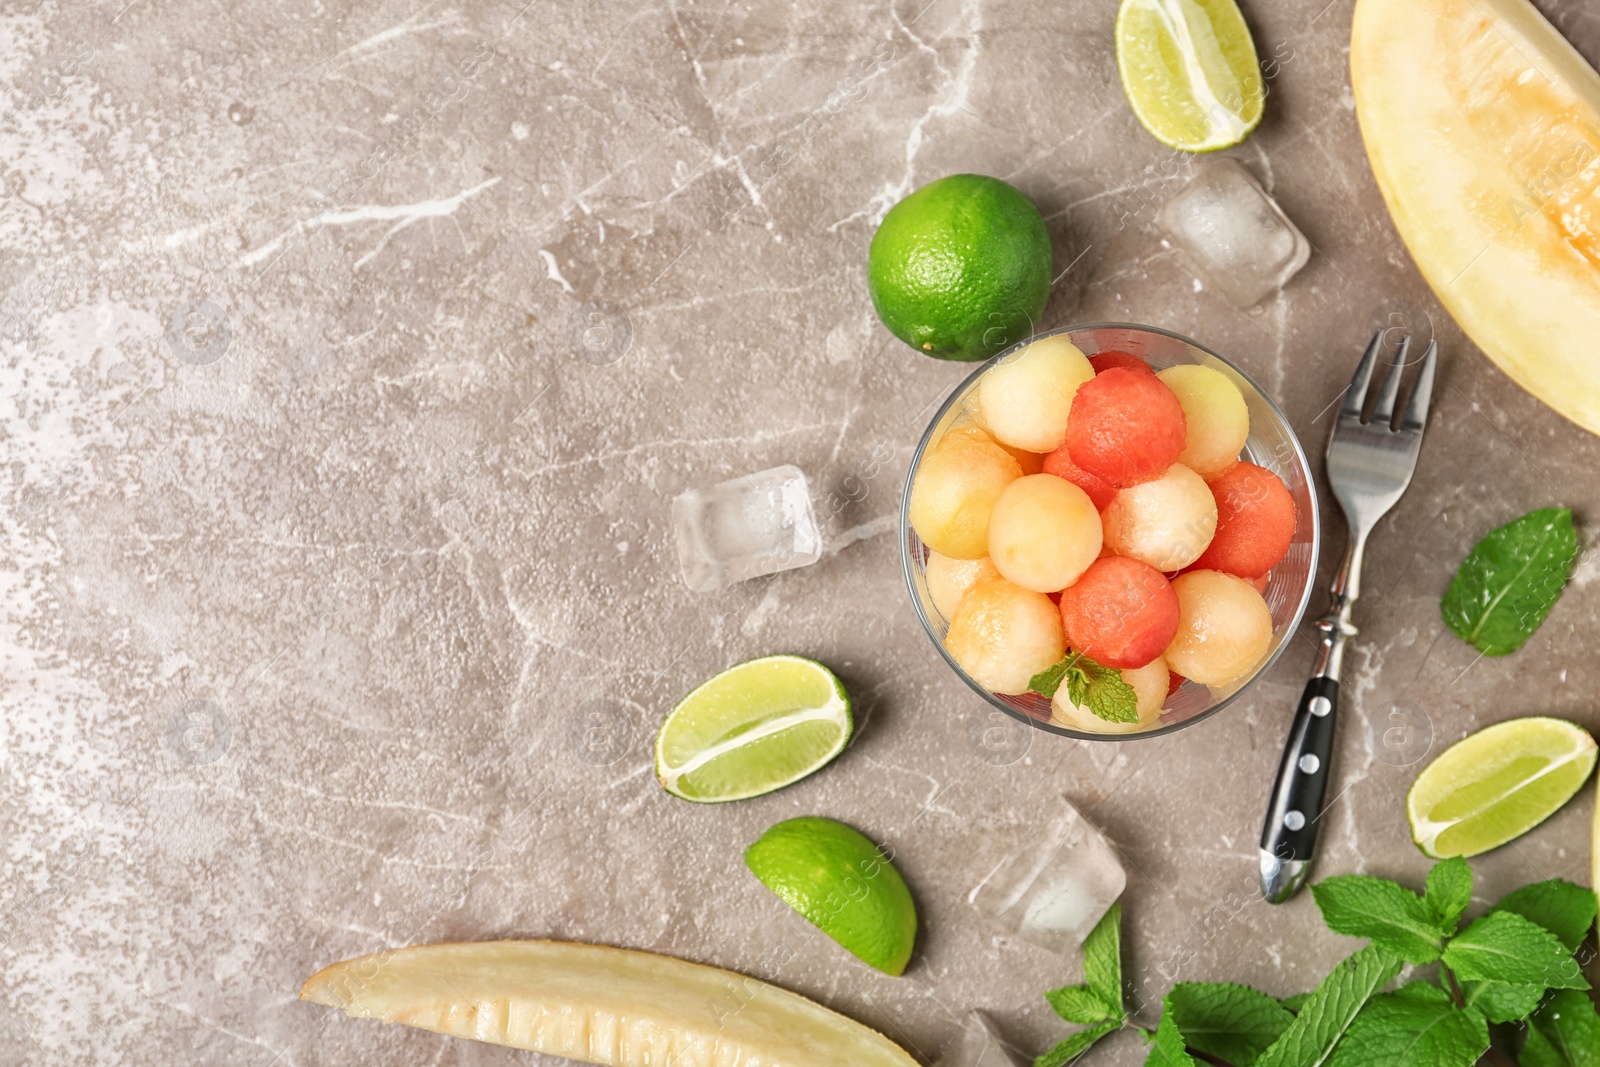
{"points": [[239, 114]]}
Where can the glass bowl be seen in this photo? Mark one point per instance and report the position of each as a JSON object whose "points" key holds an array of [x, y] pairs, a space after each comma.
{"points": [[1272, 444]]}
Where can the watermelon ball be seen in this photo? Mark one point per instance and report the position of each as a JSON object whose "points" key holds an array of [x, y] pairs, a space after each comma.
{"points": [[1255, 522], [1174, 682], [1112, 358], [1060, 464], [1126, 427], [1121, 613]]}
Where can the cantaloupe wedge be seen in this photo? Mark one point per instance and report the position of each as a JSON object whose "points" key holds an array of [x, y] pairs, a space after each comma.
{"points": [[1482, 125], [599, 1005]]}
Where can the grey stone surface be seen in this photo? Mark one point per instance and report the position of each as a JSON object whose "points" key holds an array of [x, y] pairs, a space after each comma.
{"points": [[351, 356]]}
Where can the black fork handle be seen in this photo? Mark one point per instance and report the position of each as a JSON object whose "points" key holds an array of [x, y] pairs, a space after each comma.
{"points": [[1294, 813]]}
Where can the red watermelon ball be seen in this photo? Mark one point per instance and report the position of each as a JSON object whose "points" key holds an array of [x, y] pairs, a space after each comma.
{"points": [[1125, 427], [1104, 361], [1121, 613], [1060, 464], [1255, 522]]}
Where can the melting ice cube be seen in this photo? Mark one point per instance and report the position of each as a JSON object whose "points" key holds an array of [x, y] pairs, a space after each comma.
{"points": [[978, 1046], [1236, 234], [1054, 887], [743, 528]]}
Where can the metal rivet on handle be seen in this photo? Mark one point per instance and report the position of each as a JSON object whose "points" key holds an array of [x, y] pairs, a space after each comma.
{"points": [[1309, 763], [1294, 820], [1320, 706]]}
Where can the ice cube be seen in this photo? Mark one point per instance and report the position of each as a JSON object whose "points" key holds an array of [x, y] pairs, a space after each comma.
{"points": [[1236, 234], [1054, 887], [743, 528], [979, 1046]]}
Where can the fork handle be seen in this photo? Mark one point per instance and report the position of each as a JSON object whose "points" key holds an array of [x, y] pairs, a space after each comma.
{"points": [[1293, 815]]}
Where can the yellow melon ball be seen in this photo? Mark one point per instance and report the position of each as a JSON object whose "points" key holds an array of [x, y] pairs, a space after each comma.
{"points": [[1149, 688], [1003, 635], [1224, 628], [1043, 532], [1218, 420], [966, 425], [949, 579], [1025, 399], [956, 485], [1166, 523]]}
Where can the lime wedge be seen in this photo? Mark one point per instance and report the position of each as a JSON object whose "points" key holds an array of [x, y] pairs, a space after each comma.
{"points": [[756, 727], [843, 885], [1189, 71], [1497, 784]]}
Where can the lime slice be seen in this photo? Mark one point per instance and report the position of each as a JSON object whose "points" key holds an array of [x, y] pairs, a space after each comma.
{"points": [[1497, 784], [756, 727], [1189, 71], [843, 885]]}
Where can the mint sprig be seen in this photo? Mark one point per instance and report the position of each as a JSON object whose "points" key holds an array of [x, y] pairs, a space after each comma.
{"points": [[1513, 964], [1090, 685]]}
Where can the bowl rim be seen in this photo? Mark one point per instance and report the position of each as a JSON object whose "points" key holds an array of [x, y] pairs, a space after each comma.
{"points": [[928, 627]]}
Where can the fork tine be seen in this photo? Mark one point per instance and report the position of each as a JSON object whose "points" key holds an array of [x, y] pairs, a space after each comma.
{"points": [[1416, 416], [1355, 395], [1383, 412]]}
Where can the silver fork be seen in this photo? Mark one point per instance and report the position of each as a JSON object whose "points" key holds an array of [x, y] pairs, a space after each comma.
{"points": [[1369, 466]]}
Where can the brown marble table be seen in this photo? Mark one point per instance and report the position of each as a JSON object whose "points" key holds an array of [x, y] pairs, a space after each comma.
{"points": [[351, 356]]}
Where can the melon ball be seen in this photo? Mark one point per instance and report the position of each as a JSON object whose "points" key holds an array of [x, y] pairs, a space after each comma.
{"points": [[956, 485], [1255, 522], [1121, 612], [949, 579], [1166, 523], [1043, 532], [1026, 398], [1059, 463], [1224, 628], [1127, 427], [1149, 687], [1214, 410], [1003, 635]]}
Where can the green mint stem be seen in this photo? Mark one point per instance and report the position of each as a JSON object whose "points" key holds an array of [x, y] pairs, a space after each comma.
{"points": [[1205, 1057]]}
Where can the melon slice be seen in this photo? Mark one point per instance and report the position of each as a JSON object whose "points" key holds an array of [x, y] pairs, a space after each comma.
{"points": [[1482, 125], [598, 1005]]}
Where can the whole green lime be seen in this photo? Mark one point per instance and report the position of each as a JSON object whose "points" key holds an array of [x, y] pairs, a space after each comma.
{"points": [[960, 269], [842, 884]]}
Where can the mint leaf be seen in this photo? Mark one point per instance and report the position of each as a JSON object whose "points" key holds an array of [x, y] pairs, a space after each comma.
{"points": [[1231, 1022], [1102, 958], [1564, 909], [1449, 892], [1502, 1002], [1167, 1049], [1510, 580], [1328, 1013], [1386, 913], [1066, 1051], [1102, 691], [1505, 947], [1296, 1002], [1046, 682], [1090, 685], [1564, 1033], [1080, 1004], [1417, 1025]]}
